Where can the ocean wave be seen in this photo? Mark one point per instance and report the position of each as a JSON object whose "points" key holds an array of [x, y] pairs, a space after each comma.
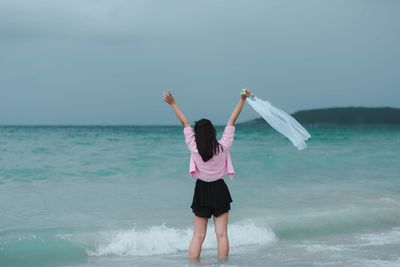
{"points": [[321, 223], [381, 263], [158, 240], [382, 238], [389, 201], [38, 249]]}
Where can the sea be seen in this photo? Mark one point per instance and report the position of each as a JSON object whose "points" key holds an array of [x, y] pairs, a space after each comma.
{"points": [[121, 195]]}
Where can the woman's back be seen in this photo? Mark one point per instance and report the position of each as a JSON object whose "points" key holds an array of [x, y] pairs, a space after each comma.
{"points": [[216, 167]]}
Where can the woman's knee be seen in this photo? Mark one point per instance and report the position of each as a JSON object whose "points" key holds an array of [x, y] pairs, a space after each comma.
{"points": [[221, 234], [200, 236]]}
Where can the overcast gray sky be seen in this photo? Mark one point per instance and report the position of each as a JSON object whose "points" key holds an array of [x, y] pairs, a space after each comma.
{"points": [[108, 62]]}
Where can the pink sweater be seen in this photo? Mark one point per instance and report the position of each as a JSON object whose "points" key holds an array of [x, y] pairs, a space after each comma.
{"points": [[219, 165]]}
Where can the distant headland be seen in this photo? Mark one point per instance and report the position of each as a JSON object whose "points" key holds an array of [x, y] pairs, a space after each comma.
{"points": [[344, 115]]}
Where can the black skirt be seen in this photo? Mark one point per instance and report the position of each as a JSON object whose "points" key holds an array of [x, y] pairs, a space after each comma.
{"points": [[211, 198]]}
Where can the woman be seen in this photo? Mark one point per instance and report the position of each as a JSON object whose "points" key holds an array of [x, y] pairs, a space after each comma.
{"points": [[210, 161]]}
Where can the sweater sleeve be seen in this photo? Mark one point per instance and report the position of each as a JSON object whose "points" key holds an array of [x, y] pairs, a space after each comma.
{"points": [[227, 137], [190, 138]]}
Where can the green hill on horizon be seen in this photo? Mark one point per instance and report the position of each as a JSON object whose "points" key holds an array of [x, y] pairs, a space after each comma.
{"points": [[344, 115]]}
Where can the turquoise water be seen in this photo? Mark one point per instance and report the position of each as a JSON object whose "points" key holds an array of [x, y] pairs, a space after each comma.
{"points": [[120, 196]]}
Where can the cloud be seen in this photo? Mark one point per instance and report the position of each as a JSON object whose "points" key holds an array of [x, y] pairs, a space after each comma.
{"points": [[110, 58], [74, 19], [125, 20]]}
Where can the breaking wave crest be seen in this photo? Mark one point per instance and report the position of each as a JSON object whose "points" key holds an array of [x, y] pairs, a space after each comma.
{"points": [[161, 239]]}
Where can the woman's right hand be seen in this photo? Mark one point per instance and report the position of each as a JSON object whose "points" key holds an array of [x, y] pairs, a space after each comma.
{"points": [[168, 97]]}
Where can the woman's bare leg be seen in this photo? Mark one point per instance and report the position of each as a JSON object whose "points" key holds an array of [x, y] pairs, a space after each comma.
{"points": [[199, 234], [221, 231]]}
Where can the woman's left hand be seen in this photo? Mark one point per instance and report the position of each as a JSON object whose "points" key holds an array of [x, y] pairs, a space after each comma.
{"points": [[246, 92]]}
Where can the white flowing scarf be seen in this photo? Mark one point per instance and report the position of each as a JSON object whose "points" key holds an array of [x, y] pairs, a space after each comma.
{"points": [[280, 121]]}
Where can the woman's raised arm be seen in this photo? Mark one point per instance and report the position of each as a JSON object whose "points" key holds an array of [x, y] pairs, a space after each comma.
{"points": [[238, 108], [178, 112]]}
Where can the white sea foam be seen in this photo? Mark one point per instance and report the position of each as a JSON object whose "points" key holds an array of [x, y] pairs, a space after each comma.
{"points": [[381, 263], [157, 240], [383, 238], [324, 248], [389, 201]]}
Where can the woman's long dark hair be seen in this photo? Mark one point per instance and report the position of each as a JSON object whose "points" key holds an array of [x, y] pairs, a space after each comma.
{"points": [[206, 139]]}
